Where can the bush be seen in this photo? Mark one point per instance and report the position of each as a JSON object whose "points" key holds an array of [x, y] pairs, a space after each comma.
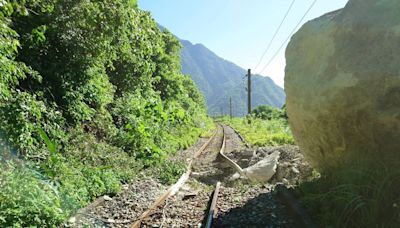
{"points": [[266, 112], [26, 199], [169, 172], [90, 93], [89, 169]]}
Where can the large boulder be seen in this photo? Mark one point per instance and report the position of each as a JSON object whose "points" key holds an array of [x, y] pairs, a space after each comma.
{"points": [[343, 83]]}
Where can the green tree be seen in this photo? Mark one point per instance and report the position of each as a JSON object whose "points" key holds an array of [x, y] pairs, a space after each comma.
{"points": [[89, 89], [267, 112]]}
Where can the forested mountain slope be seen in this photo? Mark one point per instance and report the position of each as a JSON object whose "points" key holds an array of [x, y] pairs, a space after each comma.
{"points": [[90, 93], [220, 79]]}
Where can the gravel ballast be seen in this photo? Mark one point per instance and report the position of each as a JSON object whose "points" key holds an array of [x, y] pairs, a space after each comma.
{"points": [[240, 202]]}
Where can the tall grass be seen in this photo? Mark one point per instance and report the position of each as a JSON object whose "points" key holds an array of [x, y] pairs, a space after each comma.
{"points": [[357, 194], [259, 132]]}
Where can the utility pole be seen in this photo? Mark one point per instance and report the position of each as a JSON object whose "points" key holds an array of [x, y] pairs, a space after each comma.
{"points": [[249, 91], [230, 106]]}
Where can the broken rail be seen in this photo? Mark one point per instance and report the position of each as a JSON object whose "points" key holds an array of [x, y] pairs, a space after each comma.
{"points": [[213, 207], [174, 188]]}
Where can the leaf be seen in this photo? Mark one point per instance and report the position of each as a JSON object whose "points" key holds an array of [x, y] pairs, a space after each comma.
{"points": [[51, 146]]}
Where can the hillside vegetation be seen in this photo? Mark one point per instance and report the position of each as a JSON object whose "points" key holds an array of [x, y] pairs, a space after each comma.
{"points": [[90, 93], [220, 79]]}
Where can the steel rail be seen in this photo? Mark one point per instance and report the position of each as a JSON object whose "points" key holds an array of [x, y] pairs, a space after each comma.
{"points": [[230, 161], [174, 188], [212, 212], [240, 136]]}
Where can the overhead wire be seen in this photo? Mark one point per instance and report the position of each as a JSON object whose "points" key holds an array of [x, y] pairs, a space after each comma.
{"points": [[274, 36], [290, 35]]}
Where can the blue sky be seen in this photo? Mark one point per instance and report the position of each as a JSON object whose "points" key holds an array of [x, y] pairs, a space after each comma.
{"points": [[238, 30]]}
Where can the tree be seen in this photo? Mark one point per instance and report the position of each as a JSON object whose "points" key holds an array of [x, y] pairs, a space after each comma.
{"points": [[267, 112]]}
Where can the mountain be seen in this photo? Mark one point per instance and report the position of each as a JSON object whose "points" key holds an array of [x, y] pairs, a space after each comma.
{"points": [[220, 79]]}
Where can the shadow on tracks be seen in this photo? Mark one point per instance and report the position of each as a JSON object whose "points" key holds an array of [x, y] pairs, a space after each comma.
{"points": [[265, 210]]}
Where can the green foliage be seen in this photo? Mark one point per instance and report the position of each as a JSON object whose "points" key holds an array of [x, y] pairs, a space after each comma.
{"points": [[26, 199], [220, 79], [259, 132], [90, 91], [268, 113], [364, 194], [169, 171], [22, 116], [101, 155], [265, 126]]}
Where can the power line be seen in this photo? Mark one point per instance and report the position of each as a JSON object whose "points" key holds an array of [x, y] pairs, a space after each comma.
{"points": [[274, 36], [294, 29]]}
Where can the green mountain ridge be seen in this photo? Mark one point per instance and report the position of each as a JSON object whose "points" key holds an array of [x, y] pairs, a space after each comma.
{"points": [[220, 79]]}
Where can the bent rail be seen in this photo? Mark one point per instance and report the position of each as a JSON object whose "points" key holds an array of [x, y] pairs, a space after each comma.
{"points": [[230, 161], [174, 188]]}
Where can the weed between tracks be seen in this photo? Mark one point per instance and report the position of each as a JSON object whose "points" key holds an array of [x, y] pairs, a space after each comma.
{"points": [[194, 184]]}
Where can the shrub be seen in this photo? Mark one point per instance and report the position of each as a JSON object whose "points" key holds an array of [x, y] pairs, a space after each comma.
{"points": [[169, 172], [26, 199], [90, 93], [266, 112]]}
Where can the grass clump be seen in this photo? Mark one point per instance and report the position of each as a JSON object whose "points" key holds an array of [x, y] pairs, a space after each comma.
{"points": [[355, 195], [169, 171], [28, 199], [260, 132]]}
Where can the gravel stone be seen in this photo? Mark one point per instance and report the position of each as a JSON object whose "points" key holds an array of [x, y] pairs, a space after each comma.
{"points": [[240, 203]]}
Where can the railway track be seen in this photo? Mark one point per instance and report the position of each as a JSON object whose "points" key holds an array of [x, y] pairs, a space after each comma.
{"points": [[203, 211], [203, 161], [204, 196]]}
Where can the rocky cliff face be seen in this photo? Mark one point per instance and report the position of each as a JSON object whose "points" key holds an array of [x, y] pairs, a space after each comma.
{"points": [[343, 83]]}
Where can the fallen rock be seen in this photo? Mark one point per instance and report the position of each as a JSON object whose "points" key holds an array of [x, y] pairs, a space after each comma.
{"points": [[248, 153], [72, 220], [107, 198], [343, 84], [291, 165], [263, 170], [295, 170]]}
